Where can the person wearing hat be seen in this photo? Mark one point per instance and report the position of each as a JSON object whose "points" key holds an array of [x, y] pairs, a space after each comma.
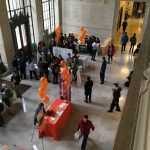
{"points": [[84, 126], [116, 96], [102, 71]]}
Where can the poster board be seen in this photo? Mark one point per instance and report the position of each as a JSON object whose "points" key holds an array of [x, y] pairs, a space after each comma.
{"points": [[61, 51]]}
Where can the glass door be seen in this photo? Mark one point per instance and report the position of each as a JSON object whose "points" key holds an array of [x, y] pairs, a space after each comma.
{"points": [[21, 37]]}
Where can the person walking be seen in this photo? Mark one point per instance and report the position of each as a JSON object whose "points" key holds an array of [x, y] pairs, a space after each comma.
{"points": [[124, 40], [116, 96], [124, 25], [133, 43], [111, 51], [102, 71], [88, 90], [84, 126]]}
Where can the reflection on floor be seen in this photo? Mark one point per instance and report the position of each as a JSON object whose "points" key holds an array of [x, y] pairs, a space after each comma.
{"points": [[134, 26], [19, 129]]}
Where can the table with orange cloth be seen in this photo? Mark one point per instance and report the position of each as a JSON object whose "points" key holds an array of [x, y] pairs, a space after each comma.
{"points": [[61, 112]]}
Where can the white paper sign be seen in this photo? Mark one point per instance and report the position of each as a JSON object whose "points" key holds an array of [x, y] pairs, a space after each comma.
{"points": [[61, 51]]}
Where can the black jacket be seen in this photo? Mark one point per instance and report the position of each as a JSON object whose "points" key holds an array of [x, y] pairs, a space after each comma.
{"points": [[15, 79], [117, 93], [88, 87], [103, 67]]}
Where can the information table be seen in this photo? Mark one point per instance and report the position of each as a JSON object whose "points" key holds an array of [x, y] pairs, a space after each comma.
{"points": [[61, 112]]}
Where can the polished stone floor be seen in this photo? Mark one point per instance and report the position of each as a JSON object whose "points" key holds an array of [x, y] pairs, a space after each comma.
{"points": [[18, 131], [134, 26]]}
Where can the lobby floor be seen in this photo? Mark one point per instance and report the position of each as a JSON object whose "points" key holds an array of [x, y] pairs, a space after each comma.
{"points": [[134, 26], [18, 131]]}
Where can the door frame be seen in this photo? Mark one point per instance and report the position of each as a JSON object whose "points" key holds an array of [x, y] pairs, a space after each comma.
{"points": [[18, 21]]}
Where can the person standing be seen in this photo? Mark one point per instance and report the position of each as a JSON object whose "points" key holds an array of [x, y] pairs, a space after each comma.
{"points": [[94, 50], [1, 110], [111, 51], [15, 80], [22, 67], [88, 90], [133, 43], [56, 71], [116, 96], [69, 60], [124, 40], [75, 69], [39, 113], [124, 25], [102, 71], [84, 126], [32, 69]]}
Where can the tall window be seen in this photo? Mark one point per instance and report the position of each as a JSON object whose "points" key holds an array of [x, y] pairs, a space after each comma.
{"points": [[48, 15], [24, 7]]}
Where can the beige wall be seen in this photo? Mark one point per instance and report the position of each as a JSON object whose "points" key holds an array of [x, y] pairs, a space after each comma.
{"points": [[96, 15]]}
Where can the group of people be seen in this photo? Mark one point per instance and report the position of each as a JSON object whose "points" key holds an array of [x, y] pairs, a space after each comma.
{"points": [[46, 59], [125, 39]]}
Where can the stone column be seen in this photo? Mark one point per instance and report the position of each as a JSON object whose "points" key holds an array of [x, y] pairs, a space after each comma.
{"points": [[7, 41], [58, 9], [37, 19], [132, 135], [116, 12]]}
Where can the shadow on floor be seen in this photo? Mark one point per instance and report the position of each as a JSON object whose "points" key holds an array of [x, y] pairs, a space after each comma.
{"points": [[8, 115]]}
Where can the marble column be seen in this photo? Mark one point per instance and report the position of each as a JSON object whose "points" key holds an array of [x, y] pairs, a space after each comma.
{"points": [[7, 41], [131, 134], [37, 19]]}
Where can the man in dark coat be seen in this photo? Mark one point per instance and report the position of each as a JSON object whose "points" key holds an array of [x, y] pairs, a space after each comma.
{"points": [[22, 67], [102, 71], [116, 96], [133, 43], [85, 125], [124, 26], [88, 90]]}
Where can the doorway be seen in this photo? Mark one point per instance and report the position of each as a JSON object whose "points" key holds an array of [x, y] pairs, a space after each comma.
{"points": [[133, 12], [21, 34]]}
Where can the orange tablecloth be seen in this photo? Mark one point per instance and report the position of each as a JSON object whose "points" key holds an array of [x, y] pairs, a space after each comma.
{"points": [[53, 123]]}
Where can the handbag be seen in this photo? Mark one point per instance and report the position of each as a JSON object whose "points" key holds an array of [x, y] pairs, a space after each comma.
{"points": [[77, 135]]}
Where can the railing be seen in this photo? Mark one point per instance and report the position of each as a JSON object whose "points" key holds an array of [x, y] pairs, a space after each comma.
{"points": [[133, 129]]}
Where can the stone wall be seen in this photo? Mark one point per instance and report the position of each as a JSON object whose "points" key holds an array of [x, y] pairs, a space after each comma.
{"points": [[96, 15]]}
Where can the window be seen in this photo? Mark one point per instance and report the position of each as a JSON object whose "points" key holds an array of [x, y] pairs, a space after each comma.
{"points": [[48, 15], [24, 7]]}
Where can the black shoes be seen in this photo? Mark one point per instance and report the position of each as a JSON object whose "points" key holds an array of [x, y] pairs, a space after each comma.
{"points": [[85, 101], [102, 83], [109, 111]]}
